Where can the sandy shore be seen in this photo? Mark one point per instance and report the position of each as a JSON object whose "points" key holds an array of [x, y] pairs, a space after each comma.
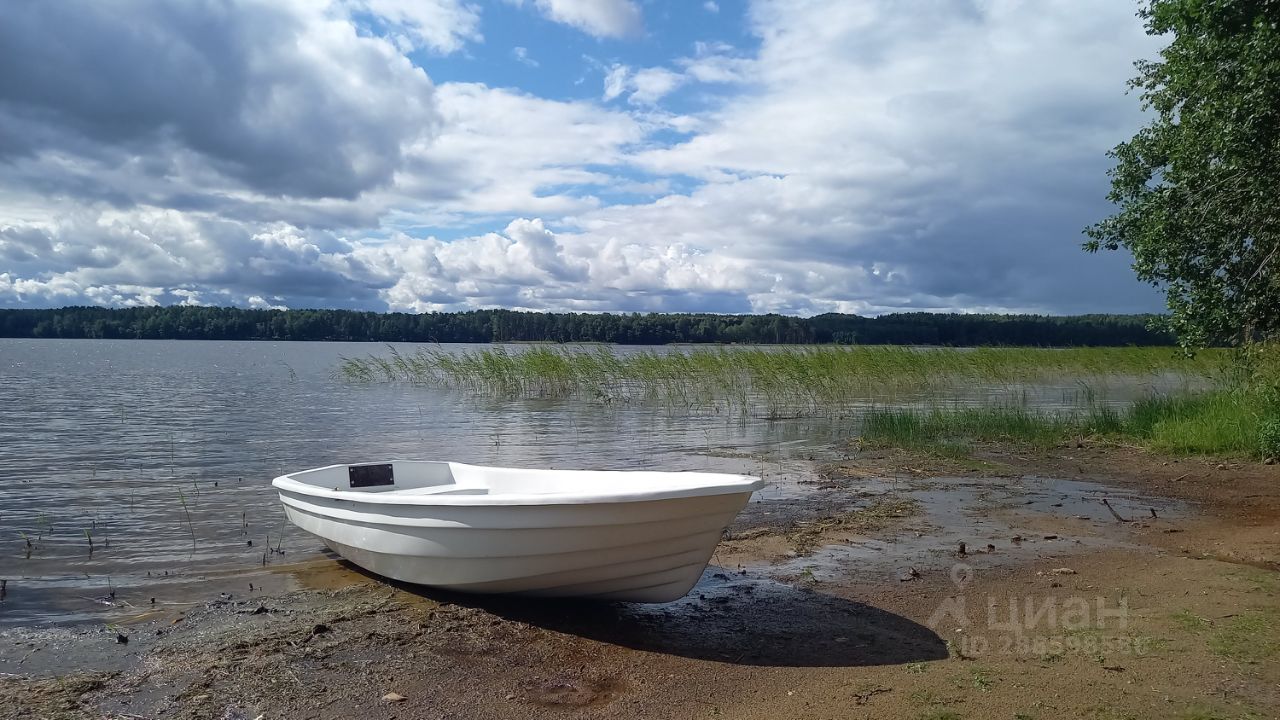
{"points": [[846, 596]]}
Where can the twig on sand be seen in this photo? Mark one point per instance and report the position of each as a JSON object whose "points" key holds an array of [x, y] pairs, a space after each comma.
{"points": [[1114, 514]]}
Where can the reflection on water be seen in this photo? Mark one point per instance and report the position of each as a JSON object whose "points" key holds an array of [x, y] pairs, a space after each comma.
{"points": [[157, 455]]}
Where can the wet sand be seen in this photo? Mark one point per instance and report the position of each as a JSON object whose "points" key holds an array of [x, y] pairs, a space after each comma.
{"points": [[843, 593]]}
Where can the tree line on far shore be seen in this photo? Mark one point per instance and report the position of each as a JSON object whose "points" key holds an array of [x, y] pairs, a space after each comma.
{"points": [[487, 326]]}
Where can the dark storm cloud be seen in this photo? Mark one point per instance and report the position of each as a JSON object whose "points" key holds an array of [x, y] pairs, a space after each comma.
{"points": [[270, 98]]}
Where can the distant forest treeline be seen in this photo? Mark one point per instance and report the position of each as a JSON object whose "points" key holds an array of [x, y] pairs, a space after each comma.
{"points": [[484, 326]]}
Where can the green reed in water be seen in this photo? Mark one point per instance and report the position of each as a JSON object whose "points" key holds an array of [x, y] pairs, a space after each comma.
{"points": [[781, 381], [190, 525]]}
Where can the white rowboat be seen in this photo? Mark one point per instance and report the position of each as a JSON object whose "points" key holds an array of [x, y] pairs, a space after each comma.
{"points": [[637, 536]]}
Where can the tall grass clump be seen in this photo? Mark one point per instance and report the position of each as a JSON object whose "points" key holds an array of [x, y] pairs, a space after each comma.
{"points": [[1219, 422], [1269, 437], [1242, 417], [804, 380], [904, 427]]}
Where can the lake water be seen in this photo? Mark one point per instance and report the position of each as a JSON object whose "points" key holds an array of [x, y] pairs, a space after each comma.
{"points": [[132, 470], [146, 444]]}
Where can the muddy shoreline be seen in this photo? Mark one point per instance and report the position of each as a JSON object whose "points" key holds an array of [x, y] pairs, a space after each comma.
{"points": [[843, 592]]}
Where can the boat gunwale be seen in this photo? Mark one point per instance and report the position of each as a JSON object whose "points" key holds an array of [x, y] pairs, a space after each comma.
{"points": [[739, 484]]}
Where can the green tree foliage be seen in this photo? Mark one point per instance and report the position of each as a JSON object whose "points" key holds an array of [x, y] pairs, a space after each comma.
{"points": [[1198, 188], [484, 326]]}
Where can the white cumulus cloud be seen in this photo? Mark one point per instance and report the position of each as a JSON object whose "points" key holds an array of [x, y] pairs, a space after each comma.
{"points": [[443, 26], [651, 84], [521, 54], [645, 86], [600, 18], [615, 81]]}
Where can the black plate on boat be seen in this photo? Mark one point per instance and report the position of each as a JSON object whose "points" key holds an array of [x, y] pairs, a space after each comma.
{"points": [[370, 475]]}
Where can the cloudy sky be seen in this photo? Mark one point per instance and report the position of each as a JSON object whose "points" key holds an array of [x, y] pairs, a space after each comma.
{"points": [[795, 156]]}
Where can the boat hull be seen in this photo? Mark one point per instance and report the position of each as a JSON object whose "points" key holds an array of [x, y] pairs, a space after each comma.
{"points": [[635, 551]]}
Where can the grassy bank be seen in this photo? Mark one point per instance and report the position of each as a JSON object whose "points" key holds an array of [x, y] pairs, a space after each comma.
{"points": [[782, 380], [1232, 422]]}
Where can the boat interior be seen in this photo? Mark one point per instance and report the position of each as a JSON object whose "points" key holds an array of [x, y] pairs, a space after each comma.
{"points": [[410, 477]]}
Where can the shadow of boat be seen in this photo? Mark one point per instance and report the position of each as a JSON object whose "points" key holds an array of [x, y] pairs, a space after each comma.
{"points": [[728, 618]]}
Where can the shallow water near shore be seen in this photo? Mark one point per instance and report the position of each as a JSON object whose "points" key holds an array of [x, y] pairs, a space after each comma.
{"points": [[133, 470], [752, 606]]}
